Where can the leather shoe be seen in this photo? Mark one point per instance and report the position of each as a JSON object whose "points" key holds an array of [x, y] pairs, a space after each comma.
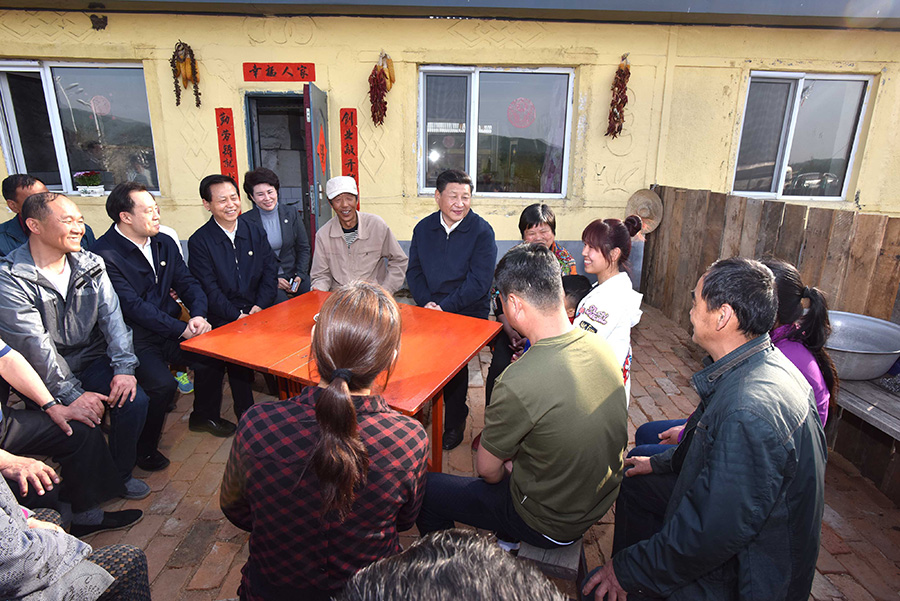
{"points": [[153, 462], [452, 438], [112, 520], [215, 426]]}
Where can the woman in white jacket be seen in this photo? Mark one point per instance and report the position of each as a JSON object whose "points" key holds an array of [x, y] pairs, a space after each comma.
{"points": [[612, 307]]}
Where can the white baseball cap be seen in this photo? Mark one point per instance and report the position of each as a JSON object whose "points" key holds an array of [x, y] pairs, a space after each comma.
{"points": [[339, 185]]}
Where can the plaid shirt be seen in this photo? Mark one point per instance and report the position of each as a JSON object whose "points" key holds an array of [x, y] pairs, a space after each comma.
{"points": [[271, 489]]}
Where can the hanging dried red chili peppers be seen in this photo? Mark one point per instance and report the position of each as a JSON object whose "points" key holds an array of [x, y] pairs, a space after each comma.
{"points": [[380, 82], [619, 98]]}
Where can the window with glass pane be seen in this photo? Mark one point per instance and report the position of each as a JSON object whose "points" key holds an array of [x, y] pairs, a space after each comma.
{"points": [[764, 125], [799, 146], [446, 110], [106, 123], [823, 137], [516, 144], [521, 131], [32, 124]]}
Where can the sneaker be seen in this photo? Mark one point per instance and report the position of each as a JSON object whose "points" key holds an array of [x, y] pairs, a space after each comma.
{"points": [[136, 490], [112, 520], [185, 386]]}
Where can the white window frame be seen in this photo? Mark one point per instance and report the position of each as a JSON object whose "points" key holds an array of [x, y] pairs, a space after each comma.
{"points": [[473, 74], [9, 136], [789, 124]]}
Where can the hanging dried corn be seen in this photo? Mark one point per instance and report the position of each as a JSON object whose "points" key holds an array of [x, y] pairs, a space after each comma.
{"points": [[184, 66], [381, 80], [619, 98]]}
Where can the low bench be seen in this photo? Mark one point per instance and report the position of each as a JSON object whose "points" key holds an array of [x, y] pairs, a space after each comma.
{"points": [[565, 563], [865, 429]]}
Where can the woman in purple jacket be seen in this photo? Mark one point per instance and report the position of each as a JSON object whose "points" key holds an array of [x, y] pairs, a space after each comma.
{"points": [[799, 334]]}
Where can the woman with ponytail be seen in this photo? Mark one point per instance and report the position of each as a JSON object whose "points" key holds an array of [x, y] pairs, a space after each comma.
{"points": [[612, 307], [325, 481], [801, 335]]}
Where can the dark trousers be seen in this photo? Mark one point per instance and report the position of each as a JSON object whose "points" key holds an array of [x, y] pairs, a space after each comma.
{"points": [[455, 409], [241, 380], [89, 475], [472, 501], [641, 508], [156, 379], [126, 422], [501, 357], [646, 439]]}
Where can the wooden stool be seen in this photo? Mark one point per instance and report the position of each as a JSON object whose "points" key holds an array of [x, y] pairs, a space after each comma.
{"points": [[565, 563]]}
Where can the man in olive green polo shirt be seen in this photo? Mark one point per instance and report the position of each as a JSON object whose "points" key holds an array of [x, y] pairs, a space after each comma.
{"points": [[550, 458]]}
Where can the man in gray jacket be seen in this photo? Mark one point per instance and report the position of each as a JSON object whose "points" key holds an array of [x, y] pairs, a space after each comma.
{"points": [[735, 510], [59, 309]]}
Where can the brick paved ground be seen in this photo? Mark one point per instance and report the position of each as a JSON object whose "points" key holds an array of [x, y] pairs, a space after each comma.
{"points": [[194, 553]]}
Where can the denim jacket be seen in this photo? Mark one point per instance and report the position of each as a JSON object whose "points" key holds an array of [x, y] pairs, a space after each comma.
{"points": [[60, 336], [744, 518]]}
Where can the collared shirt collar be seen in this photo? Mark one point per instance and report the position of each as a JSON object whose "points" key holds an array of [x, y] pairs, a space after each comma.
{"points": [[145, 248], [706, 379], [449, 228], [231, 234]]}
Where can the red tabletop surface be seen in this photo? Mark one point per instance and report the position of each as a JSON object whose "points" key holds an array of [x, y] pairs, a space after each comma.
{"points": [[434, 346]]}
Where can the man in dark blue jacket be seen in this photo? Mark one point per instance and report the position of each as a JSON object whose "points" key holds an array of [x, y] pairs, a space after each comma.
{"points": [[144, 267], [451, 265], [236, 267], [735, 510], [16, 188]]}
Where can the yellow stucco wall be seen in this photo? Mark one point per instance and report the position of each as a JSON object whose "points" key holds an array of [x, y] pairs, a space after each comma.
{"points": [[687, 92]]}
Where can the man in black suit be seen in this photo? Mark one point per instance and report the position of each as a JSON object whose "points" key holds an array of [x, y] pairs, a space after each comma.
{"points": [[143, 268]]}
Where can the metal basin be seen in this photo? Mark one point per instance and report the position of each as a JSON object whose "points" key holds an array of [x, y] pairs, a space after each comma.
{"points": [[862, 347]]}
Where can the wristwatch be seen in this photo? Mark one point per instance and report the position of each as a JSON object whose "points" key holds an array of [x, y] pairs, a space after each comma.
{"points": [[50, 404]]}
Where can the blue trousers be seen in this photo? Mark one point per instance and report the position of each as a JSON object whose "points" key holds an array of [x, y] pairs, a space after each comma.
{"points": [[126, 422], [472, 501], [646, 439]]}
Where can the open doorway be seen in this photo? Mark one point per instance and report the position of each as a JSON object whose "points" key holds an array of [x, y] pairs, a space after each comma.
{"points": [[278, 142]]}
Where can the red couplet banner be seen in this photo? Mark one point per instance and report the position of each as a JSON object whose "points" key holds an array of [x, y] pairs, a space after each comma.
{"points": [[225, 135], [350, 146]]}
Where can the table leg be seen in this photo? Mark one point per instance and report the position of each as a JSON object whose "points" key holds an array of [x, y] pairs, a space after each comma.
{"points": [[284, 388], [437, 433]]}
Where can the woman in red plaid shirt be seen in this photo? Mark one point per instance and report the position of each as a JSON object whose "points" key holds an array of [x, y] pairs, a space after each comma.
{"points": [[325, 481]]}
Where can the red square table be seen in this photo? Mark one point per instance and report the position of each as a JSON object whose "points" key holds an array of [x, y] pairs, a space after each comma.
{"points": [[434, 346]]}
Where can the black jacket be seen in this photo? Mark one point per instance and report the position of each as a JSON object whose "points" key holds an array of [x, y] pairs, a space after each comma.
{"points": [[234, 277], [453, 270], [144, 295], [293, 258], [745, 516]]}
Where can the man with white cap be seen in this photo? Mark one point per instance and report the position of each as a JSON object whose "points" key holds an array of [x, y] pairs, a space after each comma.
{"points": [[353, 245]]}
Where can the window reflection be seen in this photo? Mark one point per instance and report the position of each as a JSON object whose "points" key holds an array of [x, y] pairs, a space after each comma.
{"points": [[106, 123], [521, 131], [823, 137]]}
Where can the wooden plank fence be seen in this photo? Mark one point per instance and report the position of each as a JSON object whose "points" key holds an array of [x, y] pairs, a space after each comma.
{"points": [[854, 258]]}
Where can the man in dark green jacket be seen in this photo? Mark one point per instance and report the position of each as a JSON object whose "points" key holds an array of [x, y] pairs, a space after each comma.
{"points": [[745, 487]]}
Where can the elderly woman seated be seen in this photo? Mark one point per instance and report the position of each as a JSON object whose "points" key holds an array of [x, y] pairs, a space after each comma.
{"points": [[40, 562]]}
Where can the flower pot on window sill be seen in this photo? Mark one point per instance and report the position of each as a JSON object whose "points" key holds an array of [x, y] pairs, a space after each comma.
{"points": [[91, 190]]}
